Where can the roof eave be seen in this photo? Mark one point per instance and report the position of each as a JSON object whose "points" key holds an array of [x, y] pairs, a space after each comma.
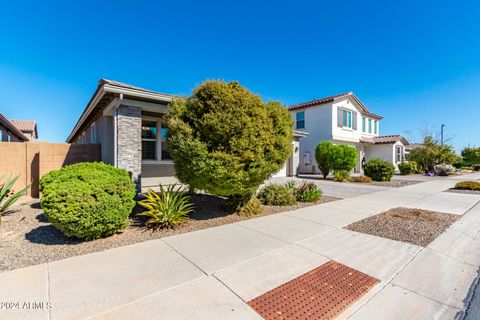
{"points": [[104, 88], [12, 127]]}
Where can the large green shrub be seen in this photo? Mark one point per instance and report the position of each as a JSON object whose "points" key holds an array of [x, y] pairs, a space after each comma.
{"points": [[88, 200], [277, 195], [344, 158], [471, 156], [323, 156], [167, 208], [226, 141], [379, 170], [407, 167]]}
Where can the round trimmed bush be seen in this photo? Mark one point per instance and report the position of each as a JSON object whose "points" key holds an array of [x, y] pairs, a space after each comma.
{"points": [[407, 167], [379, 170], [88, 200], [277, 195]]}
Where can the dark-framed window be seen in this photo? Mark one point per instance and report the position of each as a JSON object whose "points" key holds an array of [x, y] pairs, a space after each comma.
{"points": [[149, 140], [300, 120]]}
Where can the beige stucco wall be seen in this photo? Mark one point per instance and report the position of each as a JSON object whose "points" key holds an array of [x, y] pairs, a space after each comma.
{"points": [[31, 160]]}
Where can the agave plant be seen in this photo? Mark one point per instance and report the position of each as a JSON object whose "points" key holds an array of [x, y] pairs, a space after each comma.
{"points": [[167, 208], [8, 196]]}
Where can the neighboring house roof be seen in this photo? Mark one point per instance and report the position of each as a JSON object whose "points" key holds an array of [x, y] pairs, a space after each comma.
{"points": [[106, 92], [384, 139], [346, 95], [9, 125], [29, 126]]}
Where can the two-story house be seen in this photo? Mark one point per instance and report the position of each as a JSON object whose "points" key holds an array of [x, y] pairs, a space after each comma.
{"points": [[344, 119]]}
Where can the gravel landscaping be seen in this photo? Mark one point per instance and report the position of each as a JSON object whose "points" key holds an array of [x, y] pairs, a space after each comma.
{"points": [[394, 183], [463, 191], [415, 226], [26, 237]]}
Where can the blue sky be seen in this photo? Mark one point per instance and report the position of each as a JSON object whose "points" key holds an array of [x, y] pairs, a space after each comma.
{"points": [[415, 62]]}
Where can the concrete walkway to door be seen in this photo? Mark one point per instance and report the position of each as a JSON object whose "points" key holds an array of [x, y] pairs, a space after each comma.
{"points": [[212, 273]]}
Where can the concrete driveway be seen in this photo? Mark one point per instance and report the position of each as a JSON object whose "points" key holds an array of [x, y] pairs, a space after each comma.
{"points": [[212, 273]]}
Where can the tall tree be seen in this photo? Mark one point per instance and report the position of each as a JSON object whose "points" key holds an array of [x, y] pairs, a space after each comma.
{"points": [[226, 141], [432, 153]]}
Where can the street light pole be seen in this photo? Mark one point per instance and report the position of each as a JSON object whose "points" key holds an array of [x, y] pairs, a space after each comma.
{"points": [[441, 134]]}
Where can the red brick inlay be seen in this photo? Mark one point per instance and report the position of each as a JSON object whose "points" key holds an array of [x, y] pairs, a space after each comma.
{"points": [[322, 293]]}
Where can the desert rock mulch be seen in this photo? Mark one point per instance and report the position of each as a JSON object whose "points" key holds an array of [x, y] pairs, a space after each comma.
{"points": [[463, 191], [397, 183], [26, 237], [415, 226]]}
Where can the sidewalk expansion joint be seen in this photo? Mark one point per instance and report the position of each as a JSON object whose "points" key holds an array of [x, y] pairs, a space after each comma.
{"points": [[184, 257], [148, 296]]}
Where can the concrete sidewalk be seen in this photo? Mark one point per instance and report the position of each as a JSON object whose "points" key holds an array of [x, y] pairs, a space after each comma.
{"points": [[211, 273]]}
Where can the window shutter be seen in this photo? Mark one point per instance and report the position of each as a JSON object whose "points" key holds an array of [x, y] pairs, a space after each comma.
{"points": [[354, 120], [339, 117]]}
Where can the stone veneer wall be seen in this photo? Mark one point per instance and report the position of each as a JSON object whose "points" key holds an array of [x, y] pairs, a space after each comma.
{"points": [[129, 141]]}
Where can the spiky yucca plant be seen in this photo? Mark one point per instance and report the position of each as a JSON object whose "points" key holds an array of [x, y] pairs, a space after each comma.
{"points": [[168, 208], [8, 196]]}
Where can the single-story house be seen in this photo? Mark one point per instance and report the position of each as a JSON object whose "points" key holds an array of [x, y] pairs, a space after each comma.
{"points": [[9, 132], [344, 119], [129, 123]]}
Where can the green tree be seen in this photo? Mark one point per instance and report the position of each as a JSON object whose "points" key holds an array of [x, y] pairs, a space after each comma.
{"points": [[344, 159], [471, 156], [323, 155], [432, 153], [226, 141]]}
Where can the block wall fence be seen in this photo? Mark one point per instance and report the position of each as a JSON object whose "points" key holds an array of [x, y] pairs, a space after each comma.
{"points": [[31, 160]]}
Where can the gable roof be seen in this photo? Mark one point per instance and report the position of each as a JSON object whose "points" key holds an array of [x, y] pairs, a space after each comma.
{"points": [[391, 139], [29, 126], [346, 95], [25, 125], [9, 125], [106, 92]]}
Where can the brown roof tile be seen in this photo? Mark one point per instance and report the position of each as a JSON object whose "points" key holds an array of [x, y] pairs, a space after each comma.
{"points": [[24, 125], [384, 139], [337, 97]]}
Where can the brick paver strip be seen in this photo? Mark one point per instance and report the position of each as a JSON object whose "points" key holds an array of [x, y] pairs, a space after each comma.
{"points": [[322, 293]]}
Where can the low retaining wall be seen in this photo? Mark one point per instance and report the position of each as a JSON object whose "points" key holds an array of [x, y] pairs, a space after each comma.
{"points": [[31, 160]]}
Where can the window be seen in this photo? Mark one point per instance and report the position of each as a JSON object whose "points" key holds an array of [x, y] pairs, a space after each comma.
{"points": [[369, 125], [163, 143], [376, 127], [93, 134], [398, 153], [363, 124], [149, 140], [300, 120], [347, 118]]}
